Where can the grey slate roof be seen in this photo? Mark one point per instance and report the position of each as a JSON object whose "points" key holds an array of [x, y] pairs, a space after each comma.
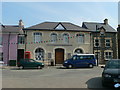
{"points": [[92, 26], [53, 25], [10, 28]]}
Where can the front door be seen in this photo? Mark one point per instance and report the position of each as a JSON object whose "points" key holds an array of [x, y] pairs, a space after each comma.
{"points": [[20, 54], [59, 56]]}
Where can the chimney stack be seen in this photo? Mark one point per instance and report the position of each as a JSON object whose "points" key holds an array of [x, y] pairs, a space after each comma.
{"points": [[21, 24], [106, 21]]}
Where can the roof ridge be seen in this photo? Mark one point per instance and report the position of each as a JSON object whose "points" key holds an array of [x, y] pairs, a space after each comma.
{"points": [[94, 22]]}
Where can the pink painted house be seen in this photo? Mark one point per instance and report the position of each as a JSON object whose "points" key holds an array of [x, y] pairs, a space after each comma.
{"points": [[8, 48]]}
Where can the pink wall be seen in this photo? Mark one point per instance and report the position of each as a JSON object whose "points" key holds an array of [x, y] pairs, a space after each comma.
{"points": [[12, 55], [5, 48], [13, 47]]}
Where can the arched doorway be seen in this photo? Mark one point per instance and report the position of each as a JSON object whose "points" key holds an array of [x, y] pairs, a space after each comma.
{"points": [[59, 56], [39, 54], [78, 51]]}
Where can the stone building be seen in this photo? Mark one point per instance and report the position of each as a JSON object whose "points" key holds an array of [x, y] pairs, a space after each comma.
{"points": [[55, 41], [104, 40]]}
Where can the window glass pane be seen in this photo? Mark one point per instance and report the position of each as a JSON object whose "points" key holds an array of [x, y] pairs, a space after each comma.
{"points": [[108, 55], [1, 56], [21, 39], [53, 37], [65, 38], [0, 39], [80, 38], [37, 37], [108, 43]]}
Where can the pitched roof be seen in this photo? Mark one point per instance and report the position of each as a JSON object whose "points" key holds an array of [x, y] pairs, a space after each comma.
{"points": [[10, 28], [53, 25], [92, 26]]}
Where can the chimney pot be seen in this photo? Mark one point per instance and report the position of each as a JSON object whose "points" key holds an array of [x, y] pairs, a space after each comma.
{"points": [[106, 21], [21, 22]]}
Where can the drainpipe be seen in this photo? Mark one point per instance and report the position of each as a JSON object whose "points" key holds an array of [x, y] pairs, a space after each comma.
{"points": [[97, 46], [25, 33], [8, 47]]}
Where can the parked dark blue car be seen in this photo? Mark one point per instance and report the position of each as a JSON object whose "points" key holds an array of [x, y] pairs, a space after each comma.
{"points": [[81, 60]]}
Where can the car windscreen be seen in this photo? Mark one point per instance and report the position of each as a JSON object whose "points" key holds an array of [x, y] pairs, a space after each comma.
{"points": [[31, 60], [114, 64]]}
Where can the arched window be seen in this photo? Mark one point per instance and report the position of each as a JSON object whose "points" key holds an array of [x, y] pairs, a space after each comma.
{"points": [[78, 51], [37, 37], [53, 37], [39, 54], [80, 38], [65, 38]]}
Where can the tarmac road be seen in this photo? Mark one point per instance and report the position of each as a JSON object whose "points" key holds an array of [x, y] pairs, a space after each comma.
{"points": [[52, 77]]}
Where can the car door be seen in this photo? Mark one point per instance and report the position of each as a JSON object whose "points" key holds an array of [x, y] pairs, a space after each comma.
{"points": [[26, 62], [84, 61], [76, 61], [32, 63]]}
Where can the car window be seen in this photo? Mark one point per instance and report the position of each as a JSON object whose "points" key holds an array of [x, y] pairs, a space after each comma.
{"points": [[31, 60], [75, 57], [113, 64], [88, 57]]}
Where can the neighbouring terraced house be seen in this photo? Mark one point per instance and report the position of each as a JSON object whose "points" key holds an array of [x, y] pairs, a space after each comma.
{"points": [[104, 38]]}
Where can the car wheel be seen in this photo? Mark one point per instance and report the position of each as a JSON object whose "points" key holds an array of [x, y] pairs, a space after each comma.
{"points": [[21, 67], [90, 65], [39, 67], [70, 66]]}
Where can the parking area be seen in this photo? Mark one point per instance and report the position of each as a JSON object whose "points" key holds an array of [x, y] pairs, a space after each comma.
{"points": [[52, 77]]}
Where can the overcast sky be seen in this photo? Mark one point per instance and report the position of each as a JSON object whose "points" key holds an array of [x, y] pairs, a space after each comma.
{"points": [[75, 12]]}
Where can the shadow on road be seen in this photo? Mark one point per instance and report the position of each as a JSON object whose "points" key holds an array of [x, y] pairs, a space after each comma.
{"points": [[25, 69], [73, 68], [96, 83]]}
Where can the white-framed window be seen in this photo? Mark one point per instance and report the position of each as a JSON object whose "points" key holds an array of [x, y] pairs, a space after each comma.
{"points": [[53, 37], [65, 38], [107, 42], [108, 55], [96, 42], [37, 37], [39, 54], [21, 39], [80, 38]]}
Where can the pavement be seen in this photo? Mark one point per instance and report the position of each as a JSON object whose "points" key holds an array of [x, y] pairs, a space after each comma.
{"points": [[11, 67]]}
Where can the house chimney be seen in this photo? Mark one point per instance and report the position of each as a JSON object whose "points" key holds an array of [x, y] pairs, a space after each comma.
{"points": [[106, 21], [21, 23]]}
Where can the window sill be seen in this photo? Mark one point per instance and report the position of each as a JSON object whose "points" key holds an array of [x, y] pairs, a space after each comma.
{"points": [[59, 44], [107, 59]]}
